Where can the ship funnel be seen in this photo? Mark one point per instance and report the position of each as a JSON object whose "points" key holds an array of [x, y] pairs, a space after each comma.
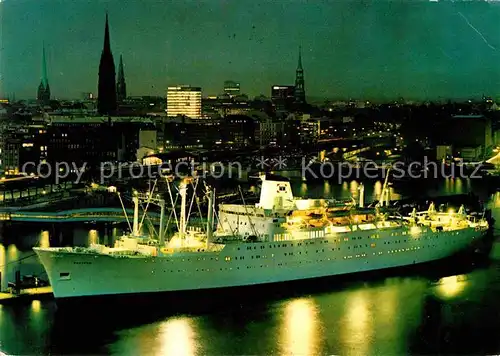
{"points": [[276, 193], [361, 196]]}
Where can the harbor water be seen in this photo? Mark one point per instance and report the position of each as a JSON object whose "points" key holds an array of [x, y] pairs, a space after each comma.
{"points": [[455, 310]]}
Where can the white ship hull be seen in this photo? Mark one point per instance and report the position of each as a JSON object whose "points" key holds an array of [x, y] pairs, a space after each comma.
{"points": [[245, 264]]}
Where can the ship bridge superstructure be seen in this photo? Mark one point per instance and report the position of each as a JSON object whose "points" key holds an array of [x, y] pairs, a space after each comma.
{"points": [[279, 216], [278, 209]]}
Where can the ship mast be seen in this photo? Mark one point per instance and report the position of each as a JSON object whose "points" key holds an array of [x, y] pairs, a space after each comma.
{"points": [[150, 199], [135, 229], [361, 196], [384, 195], [183, 193], [210, 215], [161, 233]]}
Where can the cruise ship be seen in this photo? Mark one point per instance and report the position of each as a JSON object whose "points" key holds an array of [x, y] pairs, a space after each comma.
{"points": [[279, 239]]}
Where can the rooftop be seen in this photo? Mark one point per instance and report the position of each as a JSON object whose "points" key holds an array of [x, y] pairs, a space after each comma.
{"points": [[96, 119]]}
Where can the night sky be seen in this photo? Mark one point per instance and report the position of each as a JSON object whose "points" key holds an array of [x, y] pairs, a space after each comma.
{"points": [[360, 49]]}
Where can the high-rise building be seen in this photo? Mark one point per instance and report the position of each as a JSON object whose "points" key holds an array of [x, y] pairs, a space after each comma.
{"points": [[231, 88], [121, 86], [106, 96], [184, 100], [43, 94], [300, 92], [282, 97]]}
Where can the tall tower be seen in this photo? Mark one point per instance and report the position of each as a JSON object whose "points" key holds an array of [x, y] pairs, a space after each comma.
{"points": [[121, 86], [43, 94], [106, 97], [300, 93]]}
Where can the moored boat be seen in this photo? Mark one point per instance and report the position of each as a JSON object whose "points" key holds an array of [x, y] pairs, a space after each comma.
{"points": [[279, 239]]}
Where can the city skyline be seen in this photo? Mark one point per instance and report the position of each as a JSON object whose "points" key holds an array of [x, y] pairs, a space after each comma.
{"points": [[368, 50]]}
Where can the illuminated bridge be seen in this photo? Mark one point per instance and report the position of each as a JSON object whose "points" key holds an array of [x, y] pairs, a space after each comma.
{"points": [[351, 148], [77, 215]]}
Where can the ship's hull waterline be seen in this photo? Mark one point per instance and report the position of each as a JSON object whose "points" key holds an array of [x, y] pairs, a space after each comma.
{"points": [[205, 300], [247, 264]]}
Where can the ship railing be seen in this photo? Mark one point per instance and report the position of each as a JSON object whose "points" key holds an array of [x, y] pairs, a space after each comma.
{"points": [[449, 225], [388, 224], [476, 219], [332, 229], [68, 249], [367, 226], [129, 252], [442, 217], [222, 238], [78, 249], [181, 249]]}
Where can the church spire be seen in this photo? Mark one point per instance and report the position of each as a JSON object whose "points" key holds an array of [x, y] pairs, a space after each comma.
{"points": [[299, 66], [43, 93], [300, 94], [120, 68], [45, 79], [107, 43], [121, 86], [106, 97]]}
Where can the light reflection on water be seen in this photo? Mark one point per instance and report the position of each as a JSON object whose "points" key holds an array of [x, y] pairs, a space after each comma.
{"points": [[356, 320], [451, 286], [357, 333], [44, 239], [3, 267], [303, 189], [176, 336], [300, 328], [377, 317], [348, 322], [353, 188], [327, 188], [93, 237], [377, 190], [344, 191], [495, 201]]}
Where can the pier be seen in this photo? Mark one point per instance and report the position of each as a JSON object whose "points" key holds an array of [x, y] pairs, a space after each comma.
{"points": [[74, 215], [28, 190], [71, 205], [26, 294]]}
